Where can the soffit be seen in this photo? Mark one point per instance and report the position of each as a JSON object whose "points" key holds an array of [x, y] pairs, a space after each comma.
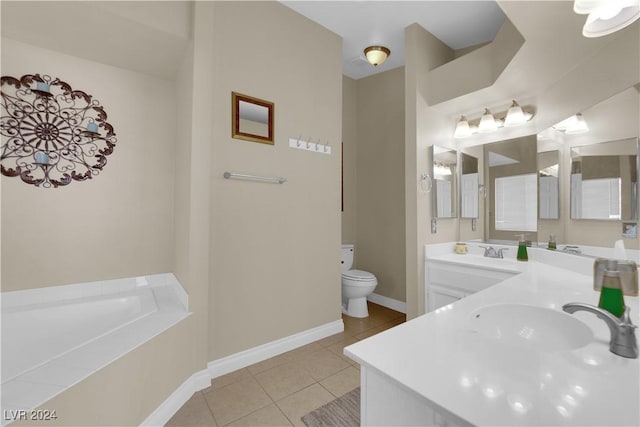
{"points": [[149, 37], [553, 47]]}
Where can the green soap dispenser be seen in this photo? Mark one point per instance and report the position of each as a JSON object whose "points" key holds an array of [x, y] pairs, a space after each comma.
{"points": [[522, 249], [611, 298]]}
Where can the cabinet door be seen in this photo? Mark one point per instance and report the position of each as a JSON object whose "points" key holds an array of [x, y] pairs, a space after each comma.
{"points": [[438, 297]]}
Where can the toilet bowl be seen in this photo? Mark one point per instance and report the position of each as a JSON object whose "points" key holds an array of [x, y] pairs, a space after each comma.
{"points": [[356, 286]]}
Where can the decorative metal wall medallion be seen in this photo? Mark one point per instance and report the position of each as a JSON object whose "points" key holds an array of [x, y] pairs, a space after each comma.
{"points": [[51, 134]]}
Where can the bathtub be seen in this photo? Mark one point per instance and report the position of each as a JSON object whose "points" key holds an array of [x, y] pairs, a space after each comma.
{"points": [[55, 337]]}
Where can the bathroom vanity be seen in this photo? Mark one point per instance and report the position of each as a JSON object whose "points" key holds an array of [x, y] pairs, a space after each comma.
{"points": [[449, 280], [507, 355]]}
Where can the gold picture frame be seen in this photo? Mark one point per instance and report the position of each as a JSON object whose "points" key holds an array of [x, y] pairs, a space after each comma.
{"points": [[252, 119]]}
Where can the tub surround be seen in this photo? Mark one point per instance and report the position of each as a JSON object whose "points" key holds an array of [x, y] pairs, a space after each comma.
{"points": [[82, 328], [444, 371]]}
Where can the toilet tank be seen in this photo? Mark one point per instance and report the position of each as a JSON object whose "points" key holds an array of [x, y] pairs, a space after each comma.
{"points": [[347, 257]]}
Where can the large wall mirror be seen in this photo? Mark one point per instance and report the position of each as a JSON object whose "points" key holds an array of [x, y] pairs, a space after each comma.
{"points": [[445, 182], [252, 119], [604, 181]]}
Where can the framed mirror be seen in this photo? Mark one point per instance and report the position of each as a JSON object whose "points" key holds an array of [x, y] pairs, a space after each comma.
{"points": [[511, 171], [604, 181], [444, 172], [469, 182], [251, 119]]}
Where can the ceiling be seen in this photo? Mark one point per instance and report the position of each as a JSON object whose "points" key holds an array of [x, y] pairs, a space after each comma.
{"points": [[459, 24]]}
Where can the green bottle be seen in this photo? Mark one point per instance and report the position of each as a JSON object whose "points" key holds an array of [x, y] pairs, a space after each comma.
{"points": [[611, 298], [522, 249], [552, 243]]}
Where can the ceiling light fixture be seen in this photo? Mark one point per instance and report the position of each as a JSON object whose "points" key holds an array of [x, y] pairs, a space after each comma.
{"points": [[514, 116], [606, 16], [376, 55]]}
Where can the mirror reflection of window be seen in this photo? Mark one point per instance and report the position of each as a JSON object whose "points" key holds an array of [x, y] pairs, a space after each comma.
{"points": [[604, 181], [443, 193], [516, 203], [596, 198], [469, 183], [469, 188]]}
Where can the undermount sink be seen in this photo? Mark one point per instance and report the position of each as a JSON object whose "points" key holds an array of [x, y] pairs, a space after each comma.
{"points": [[532, 327]]}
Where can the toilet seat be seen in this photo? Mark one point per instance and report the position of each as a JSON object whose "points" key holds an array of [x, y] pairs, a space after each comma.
{"points": [[358, 276]]}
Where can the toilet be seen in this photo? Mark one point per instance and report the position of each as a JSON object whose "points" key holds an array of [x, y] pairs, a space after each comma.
{"points": [[356, 286]]}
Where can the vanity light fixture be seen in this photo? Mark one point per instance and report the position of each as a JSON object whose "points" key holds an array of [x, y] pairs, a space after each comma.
{"points": [[441, 170], [463, 129], [376, 55], [573, 125], [606, 16], [514, 116], [546, 134]]}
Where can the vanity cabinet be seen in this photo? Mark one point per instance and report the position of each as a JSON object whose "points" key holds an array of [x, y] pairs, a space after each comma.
{"points": [[385, 402], [447, 282]]}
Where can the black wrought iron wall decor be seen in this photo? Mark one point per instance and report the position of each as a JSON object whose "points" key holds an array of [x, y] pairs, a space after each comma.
{"points": [[52, 134]]}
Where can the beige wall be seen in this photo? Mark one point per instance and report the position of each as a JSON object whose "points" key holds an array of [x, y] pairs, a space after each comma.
{"points": [[118, 224], [275, 248], [380, 217], [424, 126], [349, 163]]}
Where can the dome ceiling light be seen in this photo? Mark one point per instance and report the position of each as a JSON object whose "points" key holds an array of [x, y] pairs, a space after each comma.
{"points": [[376, 55], [606, 16]]}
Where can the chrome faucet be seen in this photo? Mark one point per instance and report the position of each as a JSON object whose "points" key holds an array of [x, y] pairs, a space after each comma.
{"points": [[571, 250], [491, 252], [623, 337]]}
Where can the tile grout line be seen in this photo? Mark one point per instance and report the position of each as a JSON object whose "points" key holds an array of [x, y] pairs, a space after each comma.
{"points": [[209, 407]]}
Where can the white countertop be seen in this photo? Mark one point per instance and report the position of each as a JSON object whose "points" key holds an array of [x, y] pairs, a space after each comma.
{"points": [[484, 382]]}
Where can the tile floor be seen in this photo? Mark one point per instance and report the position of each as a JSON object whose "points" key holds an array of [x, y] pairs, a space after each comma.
{"points": [[280, 390]]}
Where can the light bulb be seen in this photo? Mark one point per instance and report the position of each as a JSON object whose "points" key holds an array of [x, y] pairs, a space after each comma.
{"points": [[515, 116], [487, 122]]}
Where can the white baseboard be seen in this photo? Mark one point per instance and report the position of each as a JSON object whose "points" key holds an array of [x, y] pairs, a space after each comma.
{"points": [[258, 354], [167, 409], [202, 379], [391, 303]]}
